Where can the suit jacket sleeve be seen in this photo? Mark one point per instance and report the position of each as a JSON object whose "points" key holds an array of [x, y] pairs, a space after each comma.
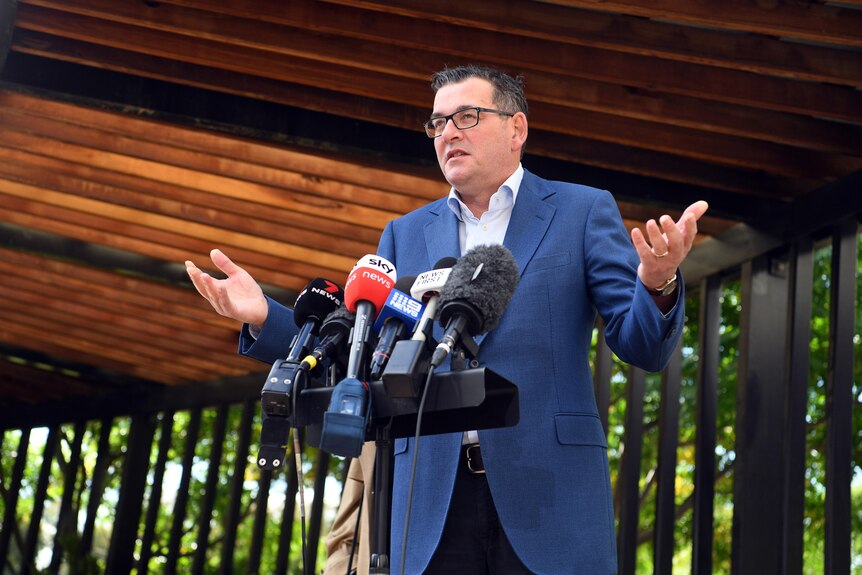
{"points": [[635, 328], [273, 341]]}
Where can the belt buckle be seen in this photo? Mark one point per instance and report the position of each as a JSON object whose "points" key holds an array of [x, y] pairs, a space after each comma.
{"points": [[470, 462]]}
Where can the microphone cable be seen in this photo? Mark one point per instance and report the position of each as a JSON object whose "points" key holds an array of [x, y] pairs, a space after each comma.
{"points": [[356, 527], [413, 467], [300, 480], [297, 449]]}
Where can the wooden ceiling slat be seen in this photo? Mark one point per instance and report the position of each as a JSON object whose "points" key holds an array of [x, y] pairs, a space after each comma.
{"points": [[712, 116], [175, 230], [219, 55], [618, 158], [425, 26], [37, 170], [322, 65], [114, 313], [717, 148], [378, 175], [42, 380], [738, 152], [706, 116], [753, 155], [40, 316], [318, 192], [669, 167], [247, 85], [67, 348], [89, 228], [32, 391], [805, 20], [809, 21], [182, 302], [277, 223], [200, 179], [144, 158]]}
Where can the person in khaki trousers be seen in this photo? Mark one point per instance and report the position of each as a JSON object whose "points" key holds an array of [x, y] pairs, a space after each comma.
{"points": [[343, 538]]}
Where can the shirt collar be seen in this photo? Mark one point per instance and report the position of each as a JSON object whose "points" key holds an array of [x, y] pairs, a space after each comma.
{"points": [[510, 186]]}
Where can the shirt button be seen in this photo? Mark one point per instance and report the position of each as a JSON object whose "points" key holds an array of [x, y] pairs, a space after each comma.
{"points": [[485, 227]]}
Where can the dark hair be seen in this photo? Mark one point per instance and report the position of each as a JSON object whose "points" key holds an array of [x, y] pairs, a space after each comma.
{"points": [[508, 91]]}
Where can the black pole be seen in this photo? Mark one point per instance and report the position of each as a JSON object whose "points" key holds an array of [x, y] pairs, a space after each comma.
{"points": [[8, 9], [382, 518]]}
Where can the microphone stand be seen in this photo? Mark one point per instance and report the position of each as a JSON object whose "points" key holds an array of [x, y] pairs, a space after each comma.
{"points": [[469, 397], [381, 519]]}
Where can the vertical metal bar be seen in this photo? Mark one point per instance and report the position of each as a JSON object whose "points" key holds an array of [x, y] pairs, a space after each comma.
{"points": [[259, 527], [97, 487], [316, 518], [232, 517], [759, 465], [28, 555], [796, 404], [210, 490], [629, 478], [182, 500], [705, 421], [67, 521], [602, 376], [668, 438], [155, 501], [288, 513], [839, 397], [134, 483], [8, 9], [10, 521]]}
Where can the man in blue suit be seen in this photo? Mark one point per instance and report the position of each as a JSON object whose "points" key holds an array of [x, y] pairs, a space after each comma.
{"points": [[536, 497]]}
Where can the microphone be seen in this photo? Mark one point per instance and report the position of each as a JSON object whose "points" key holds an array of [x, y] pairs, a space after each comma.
{"points": [[319, 298], [333, 333], [475, 295], [395, 321], [426, 289], [365, 292], [409, 360], [344, 422]]}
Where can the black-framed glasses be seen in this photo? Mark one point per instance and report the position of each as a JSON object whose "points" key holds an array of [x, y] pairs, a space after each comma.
{"points": [[463, 119]]}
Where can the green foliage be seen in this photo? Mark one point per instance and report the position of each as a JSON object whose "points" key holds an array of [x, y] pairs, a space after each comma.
{"points": [[93, 560]]}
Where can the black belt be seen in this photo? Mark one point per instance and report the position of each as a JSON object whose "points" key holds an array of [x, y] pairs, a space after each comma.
{"points": [[471, 456]]}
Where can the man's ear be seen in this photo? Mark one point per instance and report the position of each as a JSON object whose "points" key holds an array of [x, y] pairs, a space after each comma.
{"points": [[519, 133]]}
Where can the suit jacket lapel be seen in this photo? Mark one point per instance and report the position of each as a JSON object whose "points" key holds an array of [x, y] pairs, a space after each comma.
{"points": [[441, 234], [531, 217]]}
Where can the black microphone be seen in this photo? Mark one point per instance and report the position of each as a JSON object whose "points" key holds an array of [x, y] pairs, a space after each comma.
{"points": [[475, 295], [396, 321], [319, 298], [333, 335]]}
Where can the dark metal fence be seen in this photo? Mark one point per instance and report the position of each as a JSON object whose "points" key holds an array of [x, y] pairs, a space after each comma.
{"points": [[185, 496]]}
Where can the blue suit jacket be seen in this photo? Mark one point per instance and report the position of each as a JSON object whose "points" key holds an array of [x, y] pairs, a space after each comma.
{"points": [[549, 474]]}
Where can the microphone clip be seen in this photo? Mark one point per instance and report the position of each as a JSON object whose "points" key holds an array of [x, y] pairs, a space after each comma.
{"points": [[276, 397]]}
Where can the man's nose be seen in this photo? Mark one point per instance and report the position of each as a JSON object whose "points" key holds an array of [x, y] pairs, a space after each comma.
{"points": [[450, 130]]}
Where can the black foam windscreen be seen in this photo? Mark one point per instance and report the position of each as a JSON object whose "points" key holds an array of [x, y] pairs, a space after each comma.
{"points": [[484, 279], [319, 298], [404, 284], [444, 263], [340, 319]]}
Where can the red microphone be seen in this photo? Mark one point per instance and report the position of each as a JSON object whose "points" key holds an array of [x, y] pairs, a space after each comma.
{"points": [[365, 293], [370, 280]]}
